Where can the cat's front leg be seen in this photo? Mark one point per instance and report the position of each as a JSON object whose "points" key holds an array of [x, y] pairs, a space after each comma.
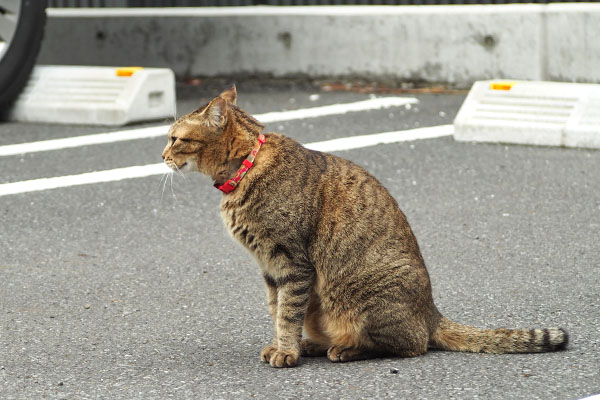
{"points": [[293, 290], [269, 349]]}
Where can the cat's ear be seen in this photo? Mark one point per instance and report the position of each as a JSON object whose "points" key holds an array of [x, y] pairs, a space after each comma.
{"points": [[229, 95], [216, 112]]}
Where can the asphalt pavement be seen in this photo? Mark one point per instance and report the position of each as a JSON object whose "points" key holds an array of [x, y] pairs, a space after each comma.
{"points": [[133, 290]]}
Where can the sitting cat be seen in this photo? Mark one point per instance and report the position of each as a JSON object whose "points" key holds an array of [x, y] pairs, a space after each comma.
{"points": [[337, 255]]}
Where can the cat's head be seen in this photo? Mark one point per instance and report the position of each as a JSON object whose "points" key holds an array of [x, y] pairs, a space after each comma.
{"points": [[198, 140]]}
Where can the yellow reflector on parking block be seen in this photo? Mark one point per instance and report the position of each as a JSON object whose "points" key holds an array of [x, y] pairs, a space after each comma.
{"points": [[128, 71], [501, 85]]}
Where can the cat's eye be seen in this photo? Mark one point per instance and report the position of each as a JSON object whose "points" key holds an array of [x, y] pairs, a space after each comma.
{"points": [[174, 139]]}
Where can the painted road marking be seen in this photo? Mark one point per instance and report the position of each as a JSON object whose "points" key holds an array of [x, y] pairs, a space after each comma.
{"points": [[141, 171], [355, 142], [336, 109], [161, 130], [110, 175]]}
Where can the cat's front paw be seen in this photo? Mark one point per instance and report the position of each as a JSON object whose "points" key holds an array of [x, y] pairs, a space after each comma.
{"points": [[280, 358], [267, 352]]}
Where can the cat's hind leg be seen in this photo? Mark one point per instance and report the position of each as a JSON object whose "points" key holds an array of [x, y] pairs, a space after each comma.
{"points": [[387, 333], [317, 342], [348, 341], [310, 348], [403, 337], [377, 343], [339, 353]]}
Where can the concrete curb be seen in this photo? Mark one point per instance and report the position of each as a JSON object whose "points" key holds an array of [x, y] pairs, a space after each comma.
{"points": [[452, 44], [533, 113]]}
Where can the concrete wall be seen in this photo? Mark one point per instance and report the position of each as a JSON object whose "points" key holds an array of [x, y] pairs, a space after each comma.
{"points": [[573, 42], [453, 44]]}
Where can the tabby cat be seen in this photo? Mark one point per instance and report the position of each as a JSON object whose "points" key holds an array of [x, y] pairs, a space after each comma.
{"points": [[338, 257]]}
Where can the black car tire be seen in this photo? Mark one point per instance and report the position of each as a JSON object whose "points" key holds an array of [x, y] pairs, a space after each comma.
{"points": [[18, 59]]}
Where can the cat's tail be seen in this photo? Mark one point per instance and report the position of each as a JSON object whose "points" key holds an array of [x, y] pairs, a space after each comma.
{"points": [[453, 336]]}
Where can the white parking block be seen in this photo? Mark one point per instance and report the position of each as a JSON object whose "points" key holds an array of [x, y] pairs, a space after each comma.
{"points": [[96, 95], [534, 113]]}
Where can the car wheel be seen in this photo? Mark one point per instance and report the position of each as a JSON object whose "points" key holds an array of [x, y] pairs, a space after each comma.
{"points": [[21, 31]]}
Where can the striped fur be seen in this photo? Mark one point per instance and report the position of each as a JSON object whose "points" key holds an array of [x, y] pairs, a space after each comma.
{"points": [[338, 257], [456, 337]]}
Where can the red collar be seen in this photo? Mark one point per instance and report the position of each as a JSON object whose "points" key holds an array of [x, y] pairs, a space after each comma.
{"points": [[232, 183]]}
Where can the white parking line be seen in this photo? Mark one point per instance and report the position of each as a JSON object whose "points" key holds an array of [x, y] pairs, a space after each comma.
{"points": [[157, 131], [110, 175], [355, 142], [141, 171]]}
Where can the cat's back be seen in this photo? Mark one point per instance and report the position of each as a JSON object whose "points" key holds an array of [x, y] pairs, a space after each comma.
{"points": [[310, 169], [293, 183], [318, 194], [285, 169], [333, 179]]}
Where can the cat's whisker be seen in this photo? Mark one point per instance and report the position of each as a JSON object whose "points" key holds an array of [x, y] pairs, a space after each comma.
{"points": [[179, 172], [162, 177], [172, 191], [163, 180]]}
